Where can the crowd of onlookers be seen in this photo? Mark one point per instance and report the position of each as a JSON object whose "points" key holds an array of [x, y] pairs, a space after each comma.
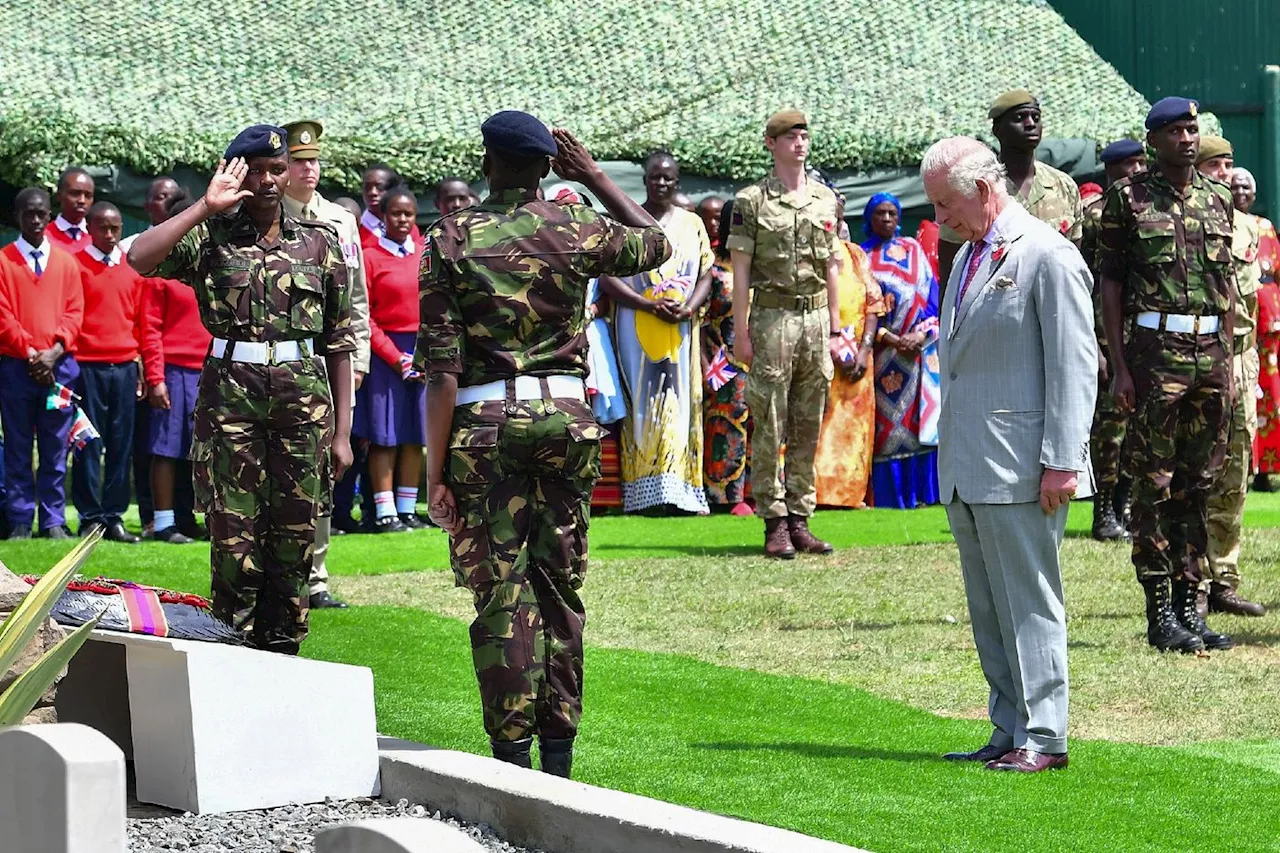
{"points": [[663, 379]]}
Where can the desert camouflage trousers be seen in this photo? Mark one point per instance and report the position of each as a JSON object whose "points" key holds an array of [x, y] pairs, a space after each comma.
{"points": [[522, 474], [1226, 501], [787, 395], [1176, 444], [260, 460]]}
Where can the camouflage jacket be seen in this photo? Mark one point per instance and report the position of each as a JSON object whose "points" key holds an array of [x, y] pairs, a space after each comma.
{"points": [[790, 239], [1054, 199], [1091, 225], [1169, 253], [503, 285], [249, 290], [1245, 239]]}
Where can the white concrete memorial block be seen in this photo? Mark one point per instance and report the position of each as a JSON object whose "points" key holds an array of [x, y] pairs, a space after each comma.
{"points": [[62, 790], [218, 728], [395, 835]]}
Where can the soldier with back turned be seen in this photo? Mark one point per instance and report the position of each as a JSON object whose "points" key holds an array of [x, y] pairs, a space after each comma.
{"points": [[513, 451]]}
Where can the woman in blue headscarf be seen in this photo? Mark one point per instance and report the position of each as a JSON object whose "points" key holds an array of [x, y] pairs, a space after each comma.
{"points": [[904, 473]]}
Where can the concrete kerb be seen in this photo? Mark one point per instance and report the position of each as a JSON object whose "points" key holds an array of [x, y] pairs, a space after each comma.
{"points": [[532, 809], [395, 835]]}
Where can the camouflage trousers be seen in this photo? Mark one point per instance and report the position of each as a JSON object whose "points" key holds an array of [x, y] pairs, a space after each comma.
{"points": [[1106, 440], [1176, 446], [522, 474], [787, 396], [260, 462], [1226, 501]]}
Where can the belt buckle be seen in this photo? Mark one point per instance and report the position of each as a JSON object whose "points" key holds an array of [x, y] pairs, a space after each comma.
{"points": [[271, 352], [1195, 325]]}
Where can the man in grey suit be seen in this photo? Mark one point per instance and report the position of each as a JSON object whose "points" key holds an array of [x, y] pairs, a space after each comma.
{"points": [[1019, 368]]}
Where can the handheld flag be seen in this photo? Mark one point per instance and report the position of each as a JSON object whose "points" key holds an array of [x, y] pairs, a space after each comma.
{"points": [[720, 371], [848, 344], [60, 397], [82, 432]]}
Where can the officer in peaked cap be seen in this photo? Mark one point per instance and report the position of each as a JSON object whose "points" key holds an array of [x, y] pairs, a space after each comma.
{"points": [[303, 200]]}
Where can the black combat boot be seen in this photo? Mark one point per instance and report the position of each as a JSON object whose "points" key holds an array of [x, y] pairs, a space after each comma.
{"points": [[1184, 605], [1106, 527], [557, 755], [1124, 504], [513, 751], [1164, 631]]}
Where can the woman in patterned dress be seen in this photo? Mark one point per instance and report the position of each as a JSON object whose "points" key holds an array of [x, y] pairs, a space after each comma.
{"points": [[1266, 445]]}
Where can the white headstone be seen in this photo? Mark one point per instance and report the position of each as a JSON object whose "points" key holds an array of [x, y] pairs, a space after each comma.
{"points": [[62, 790], [395, 835]]}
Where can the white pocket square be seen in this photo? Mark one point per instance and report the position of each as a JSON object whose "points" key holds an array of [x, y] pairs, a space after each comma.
{"points": [[1004, 283]]}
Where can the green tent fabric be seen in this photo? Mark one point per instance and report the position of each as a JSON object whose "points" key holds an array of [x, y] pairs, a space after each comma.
{"points": [[148, 86]]}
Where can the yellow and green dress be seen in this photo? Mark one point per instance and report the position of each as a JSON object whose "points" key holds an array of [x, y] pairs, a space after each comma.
{"points": [[661, 441]]}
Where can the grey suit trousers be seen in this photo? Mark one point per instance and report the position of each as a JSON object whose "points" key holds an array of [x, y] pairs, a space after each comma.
{"points": [[1013, 582]]}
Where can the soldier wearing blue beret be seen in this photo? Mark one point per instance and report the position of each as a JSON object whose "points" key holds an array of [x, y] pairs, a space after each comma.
{"points": [[272, 290], [1123, 159], [1167, 278]]}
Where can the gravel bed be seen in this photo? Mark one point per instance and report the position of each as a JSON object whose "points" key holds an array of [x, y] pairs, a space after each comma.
{"points": [[289, 829]]}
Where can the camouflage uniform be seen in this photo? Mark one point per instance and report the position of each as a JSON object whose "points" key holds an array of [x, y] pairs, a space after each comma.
{"points": [[1226, 501], [262, 432], [790, 241], [1172, 254], [320, 209], [1053, 199], [1109, 420], [503, 294]]}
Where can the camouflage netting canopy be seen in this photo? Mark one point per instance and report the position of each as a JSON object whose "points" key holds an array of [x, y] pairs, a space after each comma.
{"points": [[154, 84]]}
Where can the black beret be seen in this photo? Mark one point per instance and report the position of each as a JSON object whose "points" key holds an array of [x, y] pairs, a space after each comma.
{"points": [[1168, 110], [261, 140], [1121, 149], [515, 132]]}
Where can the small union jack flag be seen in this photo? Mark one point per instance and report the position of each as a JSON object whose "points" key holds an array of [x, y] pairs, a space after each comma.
{"points": [[720, 371], [848, 350], [82, 432], [60, 397]]}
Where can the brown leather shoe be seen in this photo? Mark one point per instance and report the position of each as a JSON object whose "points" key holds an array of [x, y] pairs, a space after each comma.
{"points": [[990, 752], [1224, 599], [803, 538], [1028, 761], [777, 540]]}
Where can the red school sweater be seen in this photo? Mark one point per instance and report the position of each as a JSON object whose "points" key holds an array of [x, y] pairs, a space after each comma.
{"points": [[176, 335], [393, 298], [114, 312], [36, 312]]}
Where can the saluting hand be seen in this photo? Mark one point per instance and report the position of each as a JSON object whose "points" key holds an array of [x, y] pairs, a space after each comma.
{"points": [[574, 162], [224, 190]]}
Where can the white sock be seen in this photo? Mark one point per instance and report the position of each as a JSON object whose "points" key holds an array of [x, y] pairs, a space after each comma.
{"points": [[384, 504], [406, 500], [164, 519]]}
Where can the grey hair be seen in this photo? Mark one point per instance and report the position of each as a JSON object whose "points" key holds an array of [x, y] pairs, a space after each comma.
{"points": [[965, 161], [1242, 172]]}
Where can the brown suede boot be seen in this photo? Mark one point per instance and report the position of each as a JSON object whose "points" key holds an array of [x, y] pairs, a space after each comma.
{"points": [[1224, 599], [803, 538], [777, 541]]}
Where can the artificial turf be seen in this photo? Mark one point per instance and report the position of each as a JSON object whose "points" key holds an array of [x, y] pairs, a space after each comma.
{"points": [[801, 751]]}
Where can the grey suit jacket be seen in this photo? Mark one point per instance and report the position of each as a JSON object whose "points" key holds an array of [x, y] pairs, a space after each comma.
{"points": [[1019, 366]]}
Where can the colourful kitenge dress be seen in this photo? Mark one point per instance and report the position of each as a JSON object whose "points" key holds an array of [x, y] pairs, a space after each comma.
{"points": [[662, 372], [726, 419], [908, 394], [1266, 446], [843, 461]]}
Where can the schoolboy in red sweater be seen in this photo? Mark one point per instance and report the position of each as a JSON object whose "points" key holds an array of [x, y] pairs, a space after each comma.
{"points": [[109, 351]]}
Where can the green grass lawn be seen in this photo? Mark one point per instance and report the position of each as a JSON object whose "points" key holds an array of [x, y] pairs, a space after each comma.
{"points": [[818, 694]]}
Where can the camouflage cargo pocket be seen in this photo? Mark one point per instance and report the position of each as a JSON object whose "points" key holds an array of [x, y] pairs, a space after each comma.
{"points": [[1157, 238], [473, 455], [1218, 238], [306, 298], [583, 460], [201, 457]]}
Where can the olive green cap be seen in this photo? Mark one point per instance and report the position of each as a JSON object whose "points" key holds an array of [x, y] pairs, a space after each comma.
{"points": [[1213, 146], [783, 121], [1009, 100], [304, 139]]}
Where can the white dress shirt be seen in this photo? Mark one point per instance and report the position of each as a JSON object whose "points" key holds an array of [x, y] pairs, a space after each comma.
{"points": [[26, 249]]}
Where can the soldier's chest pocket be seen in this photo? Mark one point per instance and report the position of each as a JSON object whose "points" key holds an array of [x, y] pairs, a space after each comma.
{"points": [[229, 293], [776, 237], [1157, 241], [306, 298], [1217, 240], [816, 235]]}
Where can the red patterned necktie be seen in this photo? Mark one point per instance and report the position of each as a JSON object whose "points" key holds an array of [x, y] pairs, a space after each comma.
{"points": [[975, 260]]}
